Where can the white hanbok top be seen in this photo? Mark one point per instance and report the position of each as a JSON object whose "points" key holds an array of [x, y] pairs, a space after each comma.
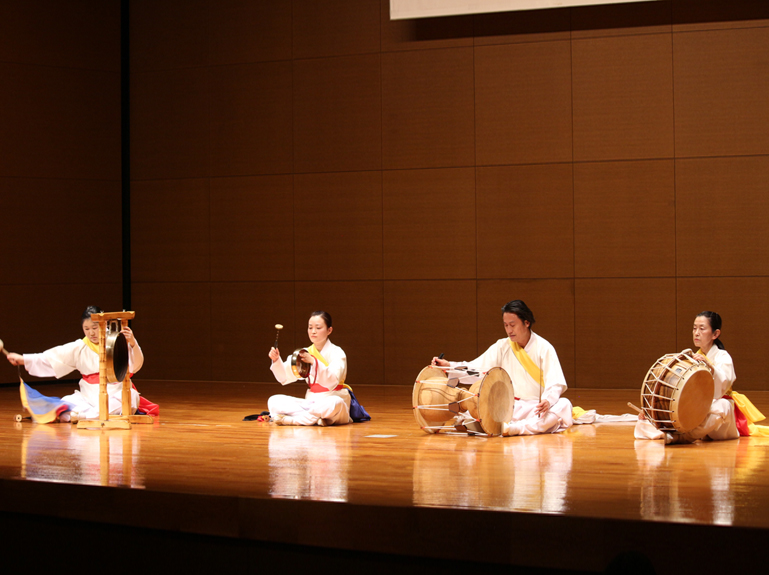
{"points": [[723, 371], [327, 376], [62, 360], [541, 352]]}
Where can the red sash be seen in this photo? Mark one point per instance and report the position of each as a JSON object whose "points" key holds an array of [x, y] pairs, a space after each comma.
{"points": [[318, 388], [145, 405], [739, 418]]}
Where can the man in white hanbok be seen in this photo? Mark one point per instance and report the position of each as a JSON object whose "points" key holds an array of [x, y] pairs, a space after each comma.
{"points": [[533, 366]]}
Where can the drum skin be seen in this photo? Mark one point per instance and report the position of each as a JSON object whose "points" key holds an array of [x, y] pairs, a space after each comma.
{"points": [[490, 401], [677, 392]]}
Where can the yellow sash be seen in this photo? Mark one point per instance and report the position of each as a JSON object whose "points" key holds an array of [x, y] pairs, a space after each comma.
{"points": [[92, 345], [527, 363], [751, 412], [312, 350]]}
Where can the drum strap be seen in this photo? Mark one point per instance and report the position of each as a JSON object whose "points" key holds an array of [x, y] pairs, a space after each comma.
{"points": [[528, 364], [315, 387], [91, 345]]}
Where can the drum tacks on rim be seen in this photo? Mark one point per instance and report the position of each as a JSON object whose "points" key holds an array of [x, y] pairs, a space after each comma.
{"points": [[677, 392], [437, 400]]}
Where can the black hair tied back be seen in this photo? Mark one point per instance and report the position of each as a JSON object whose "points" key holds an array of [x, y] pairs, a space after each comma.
{"points": [[715, 323]]}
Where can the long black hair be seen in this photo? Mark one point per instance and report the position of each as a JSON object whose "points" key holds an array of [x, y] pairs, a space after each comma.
{"points": [[520, 309], [715, 323]]}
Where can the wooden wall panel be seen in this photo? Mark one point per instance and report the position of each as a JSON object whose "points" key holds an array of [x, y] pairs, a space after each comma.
{"points": [[170, 124], [385, 170], [241, 31], [59, 122], [59, 169], [251, 227], [424, 33], [335, 27], [525, 221], [551, 302], [72, 34], [357, 311], [427, 109], [168, 34], [624, 219], [423, 319], [691, 15], [337, 114], [622, 326], [721, 215], [621, 19], [39, 316], [744, 309], [243, 316], [623, 97], [170, 234], [523, 103], [251, 119], [338, 226], [721, 90], [60, 231], [429, 224], [173, 326], [522, 26]]}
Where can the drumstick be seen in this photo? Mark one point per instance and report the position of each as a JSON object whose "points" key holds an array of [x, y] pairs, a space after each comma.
{"points": [[277, 334], [631, 406], [541, 385]]}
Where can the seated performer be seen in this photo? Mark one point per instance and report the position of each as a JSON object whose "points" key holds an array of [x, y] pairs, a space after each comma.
{"points": [[83, 355], [725, 419], [533, 366], [328, 400]]}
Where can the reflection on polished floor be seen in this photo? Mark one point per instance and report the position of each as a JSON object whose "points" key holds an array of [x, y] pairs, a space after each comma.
{"points": [[594, 480]]}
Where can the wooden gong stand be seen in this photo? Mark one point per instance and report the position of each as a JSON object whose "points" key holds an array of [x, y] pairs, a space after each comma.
{"points": [[107, 421]]}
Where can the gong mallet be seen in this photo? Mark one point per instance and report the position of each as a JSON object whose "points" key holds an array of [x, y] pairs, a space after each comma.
{"points": [[277, 334]]}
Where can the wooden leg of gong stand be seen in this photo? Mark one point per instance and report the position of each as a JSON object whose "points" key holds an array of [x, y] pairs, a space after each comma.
{"points": [[126, 408], [104, 421]]}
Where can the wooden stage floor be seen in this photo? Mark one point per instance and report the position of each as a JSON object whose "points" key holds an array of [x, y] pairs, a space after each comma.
{"points": [[574, 501]]}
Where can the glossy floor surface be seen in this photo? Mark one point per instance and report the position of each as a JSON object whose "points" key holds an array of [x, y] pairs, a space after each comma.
{"points": [[200, 453]]}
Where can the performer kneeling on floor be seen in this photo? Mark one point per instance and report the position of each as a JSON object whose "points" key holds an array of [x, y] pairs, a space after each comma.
{"points": [[731, 413], [533, 366], [81, 355], [328, 400]]}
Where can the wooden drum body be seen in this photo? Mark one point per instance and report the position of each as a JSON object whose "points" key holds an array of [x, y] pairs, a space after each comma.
{"points": [[677, 392], [437, 400]]}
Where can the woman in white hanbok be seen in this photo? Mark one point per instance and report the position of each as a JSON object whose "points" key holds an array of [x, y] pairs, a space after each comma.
{"points": [[327, 400], [82, 355], [731, 414]]}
